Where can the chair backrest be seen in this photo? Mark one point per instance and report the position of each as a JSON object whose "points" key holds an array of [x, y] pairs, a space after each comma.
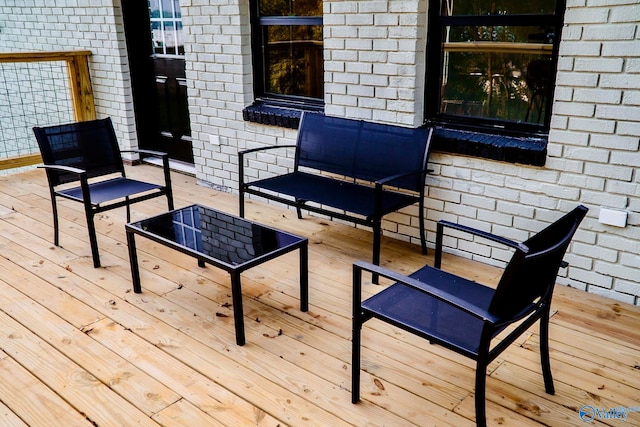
{"points": [[90, 145], [362, 150], [532, 275]]}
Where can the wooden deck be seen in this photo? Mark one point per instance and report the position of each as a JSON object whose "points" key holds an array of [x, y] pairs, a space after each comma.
{"points": [[78, 347]]}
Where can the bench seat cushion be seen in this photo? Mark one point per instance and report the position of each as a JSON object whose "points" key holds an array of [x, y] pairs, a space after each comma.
{"points": [[339, 194]]}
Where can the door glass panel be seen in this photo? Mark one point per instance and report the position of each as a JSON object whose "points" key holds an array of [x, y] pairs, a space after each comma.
{"points": [[166, 27]]}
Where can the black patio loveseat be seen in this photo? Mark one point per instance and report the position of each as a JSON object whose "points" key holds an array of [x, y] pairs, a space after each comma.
{"points": [[352, 170]]}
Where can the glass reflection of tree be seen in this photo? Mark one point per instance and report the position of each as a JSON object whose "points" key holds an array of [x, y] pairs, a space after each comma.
{"points": [[292, 49], [490, 82]]}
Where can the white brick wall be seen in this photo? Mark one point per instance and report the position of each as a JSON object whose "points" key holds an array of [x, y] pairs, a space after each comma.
{"points": [[374, 68], [95, 25], [374, 64], [598, 129]]}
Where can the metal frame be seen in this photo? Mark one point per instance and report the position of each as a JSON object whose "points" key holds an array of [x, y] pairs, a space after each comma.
{"points": [[234, 270]]}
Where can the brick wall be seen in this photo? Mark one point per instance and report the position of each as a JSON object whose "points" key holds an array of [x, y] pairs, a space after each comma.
{"points": [[374, 63], [595, 137], [95, 25], [593, 159], [374, 60], [374, 68]]}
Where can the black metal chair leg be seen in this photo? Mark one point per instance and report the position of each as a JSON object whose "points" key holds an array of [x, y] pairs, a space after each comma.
{"points": [[167, 181], [170, 200], [56, 226], [93, 240], [241, 203], [480, 398], [128, 210], [544, 353], [377, 238], [355, 362], [299, 204], [423, 236], [356, 335]]}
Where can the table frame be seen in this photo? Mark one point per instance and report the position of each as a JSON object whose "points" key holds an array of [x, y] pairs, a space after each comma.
{"points": [[234, 270]]}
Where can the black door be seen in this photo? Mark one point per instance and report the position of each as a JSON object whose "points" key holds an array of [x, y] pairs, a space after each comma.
{"points": [[153, 31]]}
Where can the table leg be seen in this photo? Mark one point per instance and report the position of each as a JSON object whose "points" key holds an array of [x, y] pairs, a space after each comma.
{"points": [[133, 261], [238, 313], [304, 276]]}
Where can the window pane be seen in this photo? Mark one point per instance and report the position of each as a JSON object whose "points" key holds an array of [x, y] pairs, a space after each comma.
{"points": [[154, 8], [176, 8], [496, 7], [293, 60], [167, 9], [291, 8], [496, 73], [166, 27]]}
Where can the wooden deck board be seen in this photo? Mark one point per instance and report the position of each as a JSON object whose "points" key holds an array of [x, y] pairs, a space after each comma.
{"points": [[79, 347]]}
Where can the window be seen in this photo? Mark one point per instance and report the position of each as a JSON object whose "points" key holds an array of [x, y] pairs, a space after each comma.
{"points": [[491, 63], [287, 52], [166, 27]]}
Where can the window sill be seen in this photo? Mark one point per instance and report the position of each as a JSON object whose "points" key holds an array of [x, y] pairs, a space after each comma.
{"points": [[528, 150], [275, 115]]}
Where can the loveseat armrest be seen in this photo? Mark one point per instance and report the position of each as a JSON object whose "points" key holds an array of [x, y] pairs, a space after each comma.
{"points": [[474, 231], [380, 183], [389, 180], [241, 183], [242, 153]]}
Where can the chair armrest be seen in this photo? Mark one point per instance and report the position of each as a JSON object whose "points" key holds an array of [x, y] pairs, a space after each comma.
{"points": [[153, 153], [166, 168], [484, 234], [61, 168], [423, 287]]}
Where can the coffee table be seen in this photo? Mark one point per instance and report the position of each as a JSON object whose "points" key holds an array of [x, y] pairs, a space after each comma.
{"points": [[225, 241]]}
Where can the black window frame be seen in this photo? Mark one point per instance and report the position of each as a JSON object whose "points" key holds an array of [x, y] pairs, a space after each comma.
{"points": [[268, 101], [435, 52]]}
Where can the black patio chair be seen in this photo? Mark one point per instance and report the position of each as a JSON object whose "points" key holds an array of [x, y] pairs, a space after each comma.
{"points": [[465, 316], [88, 153]]}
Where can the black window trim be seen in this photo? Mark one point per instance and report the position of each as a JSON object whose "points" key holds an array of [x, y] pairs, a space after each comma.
{"points": [[263, 98], [436, 23]]}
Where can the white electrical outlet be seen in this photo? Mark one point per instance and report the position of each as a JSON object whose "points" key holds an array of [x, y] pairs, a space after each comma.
{"points": [[613, 217], [214, 139]]}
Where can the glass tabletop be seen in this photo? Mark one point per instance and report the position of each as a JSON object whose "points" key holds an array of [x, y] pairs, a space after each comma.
{"points": [[217, 235]]}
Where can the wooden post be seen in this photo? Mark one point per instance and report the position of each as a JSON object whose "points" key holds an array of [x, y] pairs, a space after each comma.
{"points": [[81, 89]]}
